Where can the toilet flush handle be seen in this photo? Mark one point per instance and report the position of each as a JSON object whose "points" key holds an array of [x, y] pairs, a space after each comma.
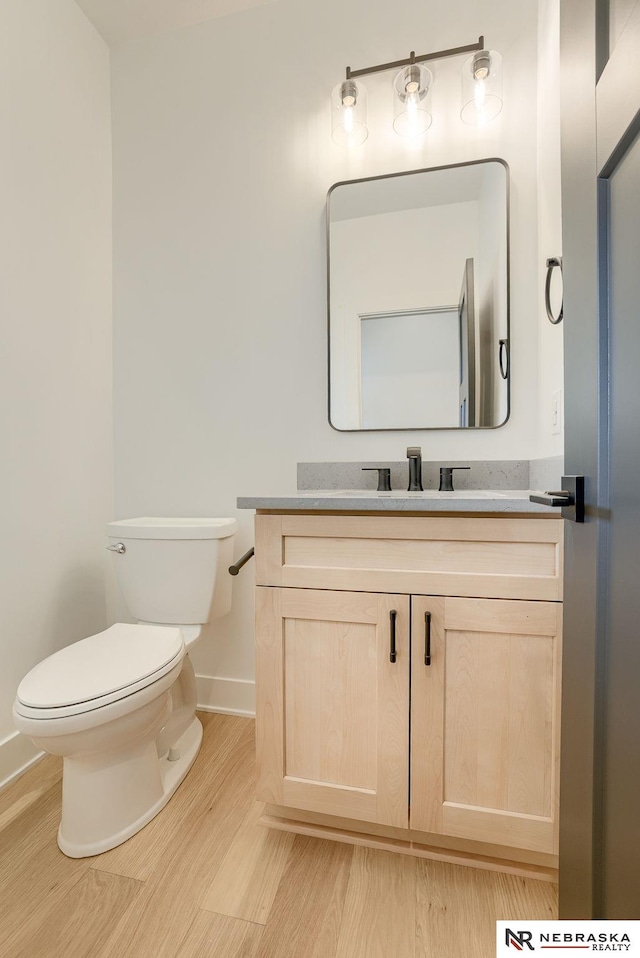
{"points": [[118, 547]]}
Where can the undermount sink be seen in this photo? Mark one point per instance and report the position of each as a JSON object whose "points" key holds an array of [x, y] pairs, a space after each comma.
{"points": [[403, 494]]}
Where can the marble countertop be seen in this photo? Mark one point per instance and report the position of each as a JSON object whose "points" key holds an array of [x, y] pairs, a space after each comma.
{"points": [[429, 501]]}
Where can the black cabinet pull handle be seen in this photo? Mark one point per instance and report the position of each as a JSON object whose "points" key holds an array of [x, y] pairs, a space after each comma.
{"points": [[393, 655], [427, 638]]}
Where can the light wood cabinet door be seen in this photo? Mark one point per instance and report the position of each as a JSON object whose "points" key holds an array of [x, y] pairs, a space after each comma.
{"points": [[485, 720], [332, 716]]}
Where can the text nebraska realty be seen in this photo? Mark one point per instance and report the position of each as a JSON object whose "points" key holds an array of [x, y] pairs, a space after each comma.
{"points": [[599, 941]]}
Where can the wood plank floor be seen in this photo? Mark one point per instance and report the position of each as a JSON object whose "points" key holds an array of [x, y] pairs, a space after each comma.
{"points": [[205, 880]]}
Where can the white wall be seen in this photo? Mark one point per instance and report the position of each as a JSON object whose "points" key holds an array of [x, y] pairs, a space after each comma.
{"points": [[222, 162], [55, 362], [550, 338]]}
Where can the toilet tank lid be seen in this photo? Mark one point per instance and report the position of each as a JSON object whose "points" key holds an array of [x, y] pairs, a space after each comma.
{"points": [[102, 664], [153, 527]]}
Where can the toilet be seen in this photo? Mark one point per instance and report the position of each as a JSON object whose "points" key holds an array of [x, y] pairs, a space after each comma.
{"points": [[119, 706]]}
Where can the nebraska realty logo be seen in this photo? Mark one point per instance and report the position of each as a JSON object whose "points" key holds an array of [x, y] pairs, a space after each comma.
{"points": [[562, 937]]}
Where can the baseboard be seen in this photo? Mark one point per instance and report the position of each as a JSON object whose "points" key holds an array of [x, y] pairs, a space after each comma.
{"points": [[17, 753], [229, 696], [414, 849]]}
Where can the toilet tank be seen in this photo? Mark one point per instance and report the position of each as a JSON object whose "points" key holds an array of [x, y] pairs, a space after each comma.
{"points": [[174, 571]]}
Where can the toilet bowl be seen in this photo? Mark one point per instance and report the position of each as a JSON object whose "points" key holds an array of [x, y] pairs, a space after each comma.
{"points": [[119, 706]]}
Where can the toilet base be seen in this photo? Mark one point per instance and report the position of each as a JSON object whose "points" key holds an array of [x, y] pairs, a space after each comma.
{"points": [[163, 778]]}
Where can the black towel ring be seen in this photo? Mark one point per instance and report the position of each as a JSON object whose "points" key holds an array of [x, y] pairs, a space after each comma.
{"points": [[551, 265], [504, 353]]}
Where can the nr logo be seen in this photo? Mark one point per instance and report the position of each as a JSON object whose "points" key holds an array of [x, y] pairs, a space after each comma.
{"points": [[518, 939]]}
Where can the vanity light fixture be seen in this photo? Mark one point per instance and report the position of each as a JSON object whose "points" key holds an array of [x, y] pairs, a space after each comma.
{"points": [[349, 113], [481, 88], [410, 114]]}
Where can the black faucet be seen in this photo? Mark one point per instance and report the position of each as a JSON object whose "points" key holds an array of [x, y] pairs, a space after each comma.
{"points": [[414, 455]]}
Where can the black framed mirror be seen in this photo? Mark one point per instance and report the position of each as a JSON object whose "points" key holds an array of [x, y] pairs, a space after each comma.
{"points": [[418, 290]]}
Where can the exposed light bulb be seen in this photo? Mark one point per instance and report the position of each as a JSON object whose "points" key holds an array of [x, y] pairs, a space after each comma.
{"points": [[412, 113], [479, 94], [349, 114], [481, 88], [347, 118]]}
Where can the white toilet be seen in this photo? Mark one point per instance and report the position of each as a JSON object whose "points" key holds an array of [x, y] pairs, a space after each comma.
{"points": [[120, 706]]}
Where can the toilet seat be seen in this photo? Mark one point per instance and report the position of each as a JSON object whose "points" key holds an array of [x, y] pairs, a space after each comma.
{"points": [[99, 670]]}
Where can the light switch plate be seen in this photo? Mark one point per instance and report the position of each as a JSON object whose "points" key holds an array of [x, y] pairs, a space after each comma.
{"points": [[556, 412]]}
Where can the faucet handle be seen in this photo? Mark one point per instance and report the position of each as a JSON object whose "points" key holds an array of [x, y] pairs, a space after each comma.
{"points": [[384, 476], [446, 477], [414, 455]]}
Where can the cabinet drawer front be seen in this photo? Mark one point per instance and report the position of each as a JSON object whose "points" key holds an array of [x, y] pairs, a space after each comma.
{"points": [[465, 556]]}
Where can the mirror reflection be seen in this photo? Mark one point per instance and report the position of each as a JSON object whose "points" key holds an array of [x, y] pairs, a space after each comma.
{"points": [[418, 299]]}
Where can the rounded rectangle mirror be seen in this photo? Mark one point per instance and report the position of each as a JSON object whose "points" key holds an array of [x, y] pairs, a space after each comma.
{"points": [[418, 285]]}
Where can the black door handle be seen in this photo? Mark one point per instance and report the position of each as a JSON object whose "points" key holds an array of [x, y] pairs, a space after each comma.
{"points": [[570, 498], [561, 498]]}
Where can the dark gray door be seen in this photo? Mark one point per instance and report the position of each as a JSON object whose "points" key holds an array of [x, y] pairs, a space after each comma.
{"points": [[621, 732], [600, 778]]}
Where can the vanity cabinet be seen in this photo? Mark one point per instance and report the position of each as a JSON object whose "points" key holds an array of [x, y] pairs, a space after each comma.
{"points": [[408, 678]]}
